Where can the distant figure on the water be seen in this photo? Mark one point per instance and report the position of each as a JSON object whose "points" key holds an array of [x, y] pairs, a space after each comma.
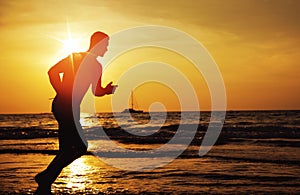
{"points": [[66, 104]]}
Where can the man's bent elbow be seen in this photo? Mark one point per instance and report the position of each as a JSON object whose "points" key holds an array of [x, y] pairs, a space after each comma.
{"points": [[50, 71]]}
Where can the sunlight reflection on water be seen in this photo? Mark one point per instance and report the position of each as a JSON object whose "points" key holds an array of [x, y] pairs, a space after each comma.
{"points": [[78, 174]]}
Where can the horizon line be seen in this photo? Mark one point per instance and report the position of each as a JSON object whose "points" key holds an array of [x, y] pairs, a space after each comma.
{"points": [[229, 110]]}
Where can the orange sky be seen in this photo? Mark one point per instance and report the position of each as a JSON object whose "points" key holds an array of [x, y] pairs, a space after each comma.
{"points": [[255, 43]]}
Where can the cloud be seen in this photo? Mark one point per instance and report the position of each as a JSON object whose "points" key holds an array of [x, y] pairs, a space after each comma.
{"points": [[255, 19]]}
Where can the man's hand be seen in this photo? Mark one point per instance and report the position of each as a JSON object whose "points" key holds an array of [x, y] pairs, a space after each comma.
{"points": [[110, 89]]}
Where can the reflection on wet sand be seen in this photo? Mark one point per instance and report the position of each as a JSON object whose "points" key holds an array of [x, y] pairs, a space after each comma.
{"points": [[77, 174]]}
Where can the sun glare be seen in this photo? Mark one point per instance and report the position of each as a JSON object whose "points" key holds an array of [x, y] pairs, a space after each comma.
{"points": [[70, 45]]}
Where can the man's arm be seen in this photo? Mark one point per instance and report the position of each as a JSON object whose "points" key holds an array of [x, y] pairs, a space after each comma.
{"points": [[54, 77], [99, 91]]}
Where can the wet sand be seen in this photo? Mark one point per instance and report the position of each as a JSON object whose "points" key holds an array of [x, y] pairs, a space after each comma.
{"points": [[223, 171]]}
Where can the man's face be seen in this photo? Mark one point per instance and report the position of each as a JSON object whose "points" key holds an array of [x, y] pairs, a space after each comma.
{"points": [[103, 47]]}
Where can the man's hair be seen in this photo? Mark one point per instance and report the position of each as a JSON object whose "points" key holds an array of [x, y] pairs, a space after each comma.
{"points": [[96, 38]]}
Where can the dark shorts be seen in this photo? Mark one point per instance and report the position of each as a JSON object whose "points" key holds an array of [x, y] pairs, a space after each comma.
{"points": [[70, 133]]}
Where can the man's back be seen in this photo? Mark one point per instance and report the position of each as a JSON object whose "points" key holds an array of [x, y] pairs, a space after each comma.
{"points": [[69, 66]]}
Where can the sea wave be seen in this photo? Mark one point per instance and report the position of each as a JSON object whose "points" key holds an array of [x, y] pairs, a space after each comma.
{"points": [[185, 155], [26, 133], [264, 135], [165, 131]]}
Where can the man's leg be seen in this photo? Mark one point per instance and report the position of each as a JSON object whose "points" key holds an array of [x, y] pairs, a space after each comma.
{"points": [[48, 176], [71, 147], [61, 160]]}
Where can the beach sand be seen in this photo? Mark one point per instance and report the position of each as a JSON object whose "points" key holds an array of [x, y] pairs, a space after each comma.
{"points": [[223, 171]]}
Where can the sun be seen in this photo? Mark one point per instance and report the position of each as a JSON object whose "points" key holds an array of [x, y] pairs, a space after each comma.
{"points": [[70, 45]]}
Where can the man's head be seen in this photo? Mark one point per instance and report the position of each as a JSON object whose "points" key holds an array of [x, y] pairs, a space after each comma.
{"points": [[99, 43]]}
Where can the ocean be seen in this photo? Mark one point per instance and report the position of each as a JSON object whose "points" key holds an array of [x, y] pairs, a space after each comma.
{"points": [[257, 152]]}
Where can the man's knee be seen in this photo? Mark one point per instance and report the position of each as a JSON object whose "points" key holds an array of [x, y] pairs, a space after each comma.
{"points": [[83, 150], [80, 150]]}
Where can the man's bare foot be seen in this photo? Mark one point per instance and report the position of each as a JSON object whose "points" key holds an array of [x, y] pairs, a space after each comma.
{"points": [[43, 191], [44, 187]]}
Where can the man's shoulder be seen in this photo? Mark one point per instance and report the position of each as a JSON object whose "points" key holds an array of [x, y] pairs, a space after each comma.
{"points": [[64, 60], [71, 58]]}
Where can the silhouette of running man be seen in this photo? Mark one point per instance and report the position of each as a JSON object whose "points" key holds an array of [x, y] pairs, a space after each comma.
{"points": [[66, 104]]}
